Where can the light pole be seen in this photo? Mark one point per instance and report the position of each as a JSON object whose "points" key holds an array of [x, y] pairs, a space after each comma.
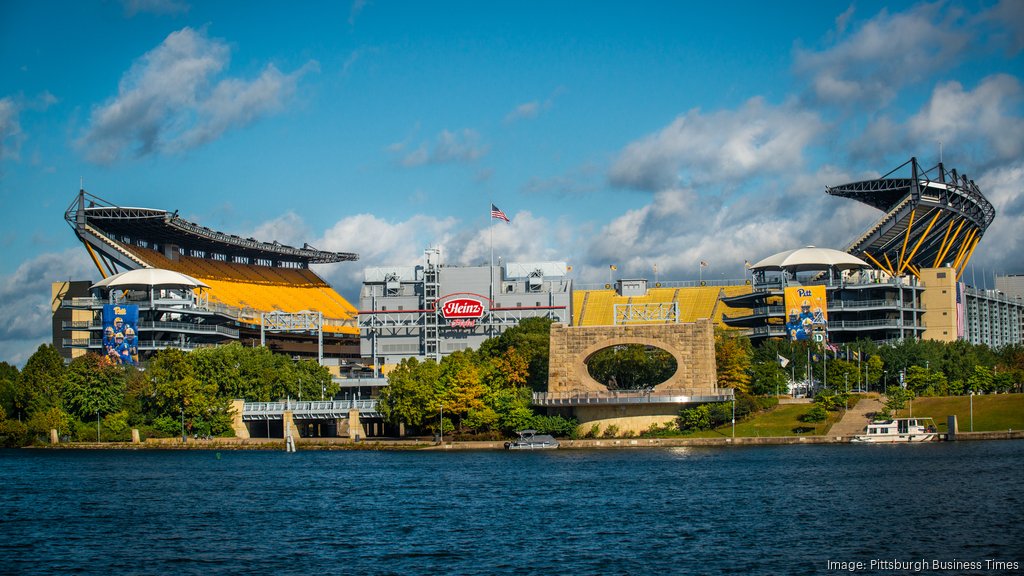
{"points": [[734, 414], [97, 426], [182, 424], [440, 427], [972, 410]]}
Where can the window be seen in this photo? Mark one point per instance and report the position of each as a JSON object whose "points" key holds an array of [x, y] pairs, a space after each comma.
{"points": [[940, 275]]}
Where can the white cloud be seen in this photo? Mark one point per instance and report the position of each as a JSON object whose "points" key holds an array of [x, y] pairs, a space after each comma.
{"points": [[288, 228], [523, 111], [172, 99], [984, 116], [872, 63], [533, 108], [11, 136], [979, 127], [1002, 247], [723, 146], [463, 147], [25, 300]]}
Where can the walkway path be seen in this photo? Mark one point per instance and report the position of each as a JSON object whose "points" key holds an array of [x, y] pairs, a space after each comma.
{"points": [[856, 418]]}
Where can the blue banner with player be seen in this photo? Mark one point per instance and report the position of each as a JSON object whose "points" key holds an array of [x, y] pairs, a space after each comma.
{"points": [[121, 333]]}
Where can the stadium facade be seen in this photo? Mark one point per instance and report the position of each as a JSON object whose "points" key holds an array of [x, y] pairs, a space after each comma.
{"points": [[432, 310], [245, 289], [906, 281]]}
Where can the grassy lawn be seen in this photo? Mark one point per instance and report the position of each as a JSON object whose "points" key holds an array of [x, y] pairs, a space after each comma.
{"points": [[992, 412], [779, 421]]}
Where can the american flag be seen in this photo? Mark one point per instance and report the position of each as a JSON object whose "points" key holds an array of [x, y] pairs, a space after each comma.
{"points": [[497, 214]]}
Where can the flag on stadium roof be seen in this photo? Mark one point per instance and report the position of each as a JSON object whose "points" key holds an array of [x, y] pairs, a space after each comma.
{"points": [[497, 214], [703, 264]]}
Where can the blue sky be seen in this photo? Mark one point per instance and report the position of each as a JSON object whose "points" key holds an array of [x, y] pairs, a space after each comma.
{"points": [[632, 133]]}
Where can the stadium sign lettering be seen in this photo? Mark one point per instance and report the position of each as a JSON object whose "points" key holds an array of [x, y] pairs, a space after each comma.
{"points": [[462, 308]]}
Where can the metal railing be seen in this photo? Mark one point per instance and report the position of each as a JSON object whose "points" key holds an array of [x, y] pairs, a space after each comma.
{"points": [[316, 409], [617, 397]]}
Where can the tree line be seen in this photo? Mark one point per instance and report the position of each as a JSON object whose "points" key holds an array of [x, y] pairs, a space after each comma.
{"points": [[176, 391]]}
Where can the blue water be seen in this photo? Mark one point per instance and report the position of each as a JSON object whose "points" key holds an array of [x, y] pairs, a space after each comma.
{"points": [[736, 510]]}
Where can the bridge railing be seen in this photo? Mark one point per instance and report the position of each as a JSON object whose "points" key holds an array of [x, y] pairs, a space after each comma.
{"points": [[308, 409], [676, 396]]}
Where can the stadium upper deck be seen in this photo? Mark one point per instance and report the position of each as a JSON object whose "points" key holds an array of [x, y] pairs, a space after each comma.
{"points": [[242, 273], [932, 218]]}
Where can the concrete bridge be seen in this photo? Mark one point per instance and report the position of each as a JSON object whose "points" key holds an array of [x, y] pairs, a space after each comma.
{"points": [[316, 418], [309, 410]]}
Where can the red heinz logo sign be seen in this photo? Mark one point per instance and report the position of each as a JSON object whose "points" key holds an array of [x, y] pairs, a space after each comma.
{"points": [[462, 308]]}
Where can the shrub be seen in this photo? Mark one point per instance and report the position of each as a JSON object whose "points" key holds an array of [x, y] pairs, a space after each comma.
{"points": [[611, 431], [817, 413]]}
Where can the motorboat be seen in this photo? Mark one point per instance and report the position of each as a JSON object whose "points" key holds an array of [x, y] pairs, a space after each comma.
{"points": [[899, 430], [531, 440]]}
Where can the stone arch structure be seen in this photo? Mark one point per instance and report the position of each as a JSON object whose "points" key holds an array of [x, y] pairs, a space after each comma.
{"points": [[691, 344]]}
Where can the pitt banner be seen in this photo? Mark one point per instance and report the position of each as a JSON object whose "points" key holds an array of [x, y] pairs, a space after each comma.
{"points": [[807, 313], [121, 333]]}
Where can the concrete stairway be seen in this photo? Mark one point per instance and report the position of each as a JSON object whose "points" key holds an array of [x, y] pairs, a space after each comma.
{"points": [[856, 419]]}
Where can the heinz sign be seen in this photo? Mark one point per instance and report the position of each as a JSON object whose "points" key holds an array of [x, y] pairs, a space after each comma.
{"points": [[462, 308]]}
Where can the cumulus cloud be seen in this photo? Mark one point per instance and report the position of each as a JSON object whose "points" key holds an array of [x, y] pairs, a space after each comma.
{"points": [[984, 115], [723, 146], [1002, 247], [173, 99], [288, 228], [463, 147], [1006, 19], [25, 300], [875, 60], [979, 126]]}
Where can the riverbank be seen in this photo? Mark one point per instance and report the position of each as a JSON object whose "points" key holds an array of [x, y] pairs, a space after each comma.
{"points": [[419, 444]]}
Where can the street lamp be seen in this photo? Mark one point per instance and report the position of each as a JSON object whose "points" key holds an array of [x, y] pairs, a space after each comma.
{"points": [[733, 414], [972, 410], [182, 424], [440, 427]]}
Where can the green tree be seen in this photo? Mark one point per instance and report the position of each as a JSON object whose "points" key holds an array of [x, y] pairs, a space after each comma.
{"points": [[768, 378], [897, 398], [926, 382], [176, 389], [39, 384], [413, 393], [92, 386], [631, 366], [733, 354], [980, 380], [8, 387], [532, 339]]}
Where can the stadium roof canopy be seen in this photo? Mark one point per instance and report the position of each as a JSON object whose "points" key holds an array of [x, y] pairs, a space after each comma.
{"points": [[932, 218], [161, 227], [149, 277], [810, 258]]}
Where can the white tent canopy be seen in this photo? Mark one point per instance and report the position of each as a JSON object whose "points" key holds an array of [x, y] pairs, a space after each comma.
{"points": [[810, 258], [149, 277]]}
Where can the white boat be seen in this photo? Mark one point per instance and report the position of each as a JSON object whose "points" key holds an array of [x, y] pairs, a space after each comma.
{"points": [[899, 430], [530, 440]]}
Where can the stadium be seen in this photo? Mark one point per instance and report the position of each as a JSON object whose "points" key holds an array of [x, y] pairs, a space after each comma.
{"points": [[194, 287], [223, 287]]}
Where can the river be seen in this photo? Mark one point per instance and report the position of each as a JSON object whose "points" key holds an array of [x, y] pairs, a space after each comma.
{"points": [[723, 510]]}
